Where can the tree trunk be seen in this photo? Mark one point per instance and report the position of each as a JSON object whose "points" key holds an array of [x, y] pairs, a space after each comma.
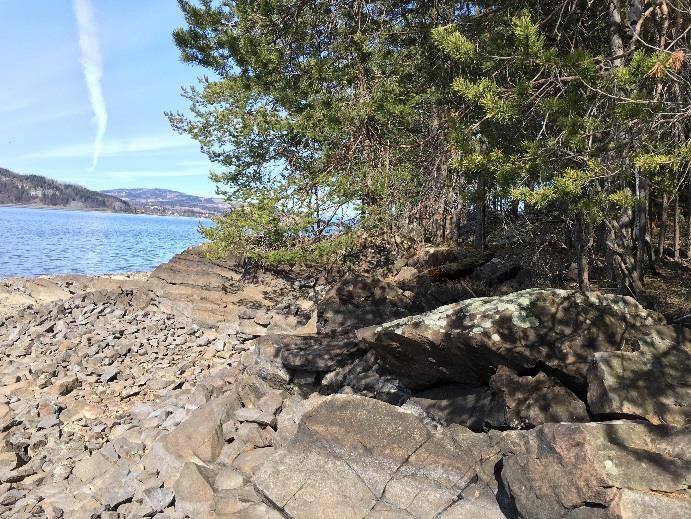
{"points": [[584, 246], [663, 228], [615, 40], [480, 216], [677, 245], [623, 263], [641, 224], [688, 232]]}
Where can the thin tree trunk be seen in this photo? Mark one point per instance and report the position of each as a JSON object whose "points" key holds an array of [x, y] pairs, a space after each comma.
{"points": [[584, 246], [615, 39], [663, 228], [480, 216], [641, 224], [688, 232], [677, 244], [619, 233], [624, 267]]}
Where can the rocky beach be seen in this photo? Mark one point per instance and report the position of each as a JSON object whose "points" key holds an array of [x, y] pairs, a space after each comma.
{"points": [[437, 386]]}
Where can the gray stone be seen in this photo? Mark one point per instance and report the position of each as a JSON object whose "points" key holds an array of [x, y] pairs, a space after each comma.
{"points": [[49, 421], [530, 401], [257, 416], [476, 502], [10, 497], [249, 462], [271, 403], [198, 438], [655, 386], [155, 500], [596, 469], [194, 494], [92, 467], [109, 374], [228, 478], [65, 385], [352, 455], [115, 495]]}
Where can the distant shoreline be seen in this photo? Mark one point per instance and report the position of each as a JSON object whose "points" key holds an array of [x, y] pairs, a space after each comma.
{"points": [[64, 208], [97, 210]]}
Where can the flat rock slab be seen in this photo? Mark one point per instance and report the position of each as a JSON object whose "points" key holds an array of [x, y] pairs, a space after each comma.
{"points": [[353, 455]]}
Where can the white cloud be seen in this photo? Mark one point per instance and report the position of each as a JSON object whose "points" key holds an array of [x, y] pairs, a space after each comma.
{"points": [[141, 144], [92, 66]]}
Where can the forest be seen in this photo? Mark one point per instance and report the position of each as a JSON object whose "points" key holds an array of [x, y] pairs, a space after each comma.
{"points": [[18, 189], [441, 122]]}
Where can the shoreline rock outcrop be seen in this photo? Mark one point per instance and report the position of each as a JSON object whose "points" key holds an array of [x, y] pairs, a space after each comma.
{"points": [[212, 391]]}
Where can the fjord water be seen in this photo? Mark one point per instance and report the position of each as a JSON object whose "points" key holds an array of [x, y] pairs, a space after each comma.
{"points": [[47, 241]]}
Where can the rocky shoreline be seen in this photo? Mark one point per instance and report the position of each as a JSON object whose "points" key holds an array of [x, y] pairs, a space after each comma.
{"points": [[208, 389]]}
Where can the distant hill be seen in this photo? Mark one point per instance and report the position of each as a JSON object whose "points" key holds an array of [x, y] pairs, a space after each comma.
{"points": [[16, 189], [166, 201]]}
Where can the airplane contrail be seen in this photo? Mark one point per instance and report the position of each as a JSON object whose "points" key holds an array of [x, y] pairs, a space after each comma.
{"points": [[92, 66]]}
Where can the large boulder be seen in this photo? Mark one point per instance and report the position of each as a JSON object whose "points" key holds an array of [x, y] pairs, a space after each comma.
{"points": [[529, 401], [558, 330], [598, 470], [653, 383], [352, 457], [358, 457]]}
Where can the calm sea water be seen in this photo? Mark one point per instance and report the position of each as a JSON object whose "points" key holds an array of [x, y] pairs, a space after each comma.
{"points": [[42, 241]]}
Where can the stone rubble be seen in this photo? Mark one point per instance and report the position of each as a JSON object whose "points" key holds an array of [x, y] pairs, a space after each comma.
{"points": [[136, 402]]}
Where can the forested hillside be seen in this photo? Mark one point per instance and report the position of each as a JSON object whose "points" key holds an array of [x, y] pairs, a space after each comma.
{"points": [[36, 190], [448, 122]]}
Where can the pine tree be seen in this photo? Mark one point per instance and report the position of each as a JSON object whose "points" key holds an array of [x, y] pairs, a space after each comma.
{"points": [[562, 115], [321, 115], [326, 118]]}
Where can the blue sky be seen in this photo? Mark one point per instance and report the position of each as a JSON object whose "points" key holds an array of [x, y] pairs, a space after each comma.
{"points": [[87, 81]]}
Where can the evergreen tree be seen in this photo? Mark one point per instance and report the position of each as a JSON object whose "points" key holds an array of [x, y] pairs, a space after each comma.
{"points": [[570, 112], [398, 117], [321, 114]]}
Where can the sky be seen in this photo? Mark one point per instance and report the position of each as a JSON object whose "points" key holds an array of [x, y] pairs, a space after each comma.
{"points": [[84, 85]]}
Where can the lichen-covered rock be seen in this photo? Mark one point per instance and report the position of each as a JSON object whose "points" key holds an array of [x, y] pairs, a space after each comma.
{"points": [[465, 342]]}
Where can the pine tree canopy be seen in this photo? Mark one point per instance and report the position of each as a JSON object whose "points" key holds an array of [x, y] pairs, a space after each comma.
{"points": [[327, 118]]}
